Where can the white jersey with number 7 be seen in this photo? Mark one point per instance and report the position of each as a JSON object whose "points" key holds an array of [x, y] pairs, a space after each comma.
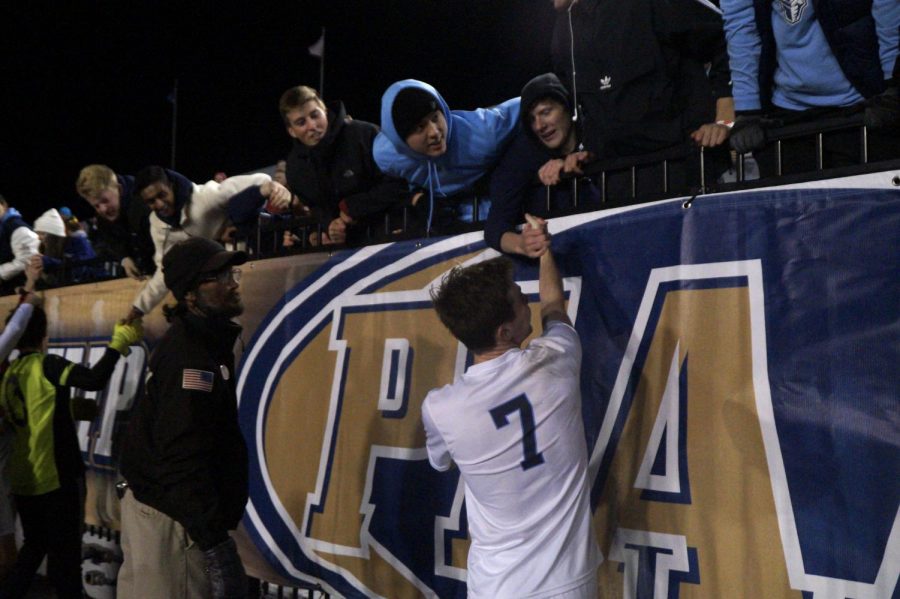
{"points": [[513, 427]]}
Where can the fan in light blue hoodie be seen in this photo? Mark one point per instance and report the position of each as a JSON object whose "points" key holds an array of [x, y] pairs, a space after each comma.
{"points": [[475, 141]]}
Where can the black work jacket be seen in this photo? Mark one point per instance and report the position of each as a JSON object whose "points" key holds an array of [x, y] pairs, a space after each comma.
{"points": [[184, 454]]}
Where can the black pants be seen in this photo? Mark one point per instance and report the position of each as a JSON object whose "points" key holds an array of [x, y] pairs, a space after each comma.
{"points": [[51, 524]]}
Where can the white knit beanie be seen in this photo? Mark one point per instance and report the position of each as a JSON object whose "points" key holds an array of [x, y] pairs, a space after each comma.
{"points": [[50, 222]]}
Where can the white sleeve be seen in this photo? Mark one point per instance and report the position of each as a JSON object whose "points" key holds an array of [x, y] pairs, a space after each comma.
{"points": [[24, 244], [154, 290], [562, 338], [232, 186], [14, 329], [438, 453]]}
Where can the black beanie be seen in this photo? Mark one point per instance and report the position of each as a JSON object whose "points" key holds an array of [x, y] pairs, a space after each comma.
{"points": [[410, 106], [540, 88]]}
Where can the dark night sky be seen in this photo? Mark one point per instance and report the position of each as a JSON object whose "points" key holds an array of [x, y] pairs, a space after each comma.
{"points": [[89, 81]]}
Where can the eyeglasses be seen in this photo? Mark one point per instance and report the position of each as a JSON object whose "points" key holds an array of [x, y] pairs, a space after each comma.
{"points": [[225, 277]]}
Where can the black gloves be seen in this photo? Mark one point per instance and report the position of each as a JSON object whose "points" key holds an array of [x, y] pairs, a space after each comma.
{"points": [[226, 574], [883, 111], [748, 133]]}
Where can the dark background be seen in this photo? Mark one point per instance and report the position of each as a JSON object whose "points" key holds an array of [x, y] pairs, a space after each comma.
{"points": [[91, 82]]}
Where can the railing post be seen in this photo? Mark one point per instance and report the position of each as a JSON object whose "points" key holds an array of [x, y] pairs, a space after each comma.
{"points": [[778, 158], [820, 151], [702, 170], [602, 187], [259, 222], [864, 144]]}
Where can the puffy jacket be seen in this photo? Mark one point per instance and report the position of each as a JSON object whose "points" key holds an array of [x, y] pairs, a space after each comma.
{"points": [[341, 168]]}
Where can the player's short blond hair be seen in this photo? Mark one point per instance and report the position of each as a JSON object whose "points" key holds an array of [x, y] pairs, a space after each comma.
{"points": [[94, 179]]}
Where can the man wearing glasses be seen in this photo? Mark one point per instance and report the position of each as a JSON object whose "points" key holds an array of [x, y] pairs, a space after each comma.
{"points": [[184, 460]]}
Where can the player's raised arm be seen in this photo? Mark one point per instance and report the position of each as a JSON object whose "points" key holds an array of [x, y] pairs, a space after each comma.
{"points": [[553, 301]]}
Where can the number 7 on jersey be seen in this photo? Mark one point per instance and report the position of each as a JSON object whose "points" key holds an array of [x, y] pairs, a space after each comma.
{"points": [[520, 404]]}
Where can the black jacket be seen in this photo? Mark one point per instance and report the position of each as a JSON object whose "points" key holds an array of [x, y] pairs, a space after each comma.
{"points": [[129, 235], [184, 454], [516, 189], [641, 81], [341, 167]]}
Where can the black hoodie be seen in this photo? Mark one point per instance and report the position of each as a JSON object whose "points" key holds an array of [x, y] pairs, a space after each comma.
{"points": [[515, 186], [340, 170]]}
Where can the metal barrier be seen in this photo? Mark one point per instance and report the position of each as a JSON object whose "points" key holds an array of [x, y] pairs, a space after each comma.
{"points": [[266, 238], [268, 590], [816, 130]]}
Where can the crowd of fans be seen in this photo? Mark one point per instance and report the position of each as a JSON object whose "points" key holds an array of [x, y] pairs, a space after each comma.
{"points": [[659, 87]]}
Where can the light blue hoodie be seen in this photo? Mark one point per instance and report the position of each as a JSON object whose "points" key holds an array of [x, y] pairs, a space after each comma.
{"points": [[476, 139]]}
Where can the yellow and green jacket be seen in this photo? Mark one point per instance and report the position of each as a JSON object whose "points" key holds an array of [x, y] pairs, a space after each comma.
{"points": [[35, 397]]}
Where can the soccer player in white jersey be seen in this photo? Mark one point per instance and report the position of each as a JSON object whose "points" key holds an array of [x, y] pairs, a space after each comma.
{"points": [[512, 424]]}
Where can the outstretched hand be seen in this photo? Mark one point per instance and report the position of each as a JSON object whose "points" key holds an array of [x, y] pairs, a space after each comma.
{"points": [[535, 239], [132, 270], [125, 334], [553, 170], [711, 135], [573, 162], [33, 271], [277, 195], [549, 174]]}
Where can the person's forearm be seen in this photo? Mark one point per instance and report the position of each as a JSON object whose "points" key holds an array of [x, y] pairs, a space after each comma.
{"points": [[94, 378], [244, 206], [14, 329], [744, 50], [152, 293], [384, 194], [553, 300], [511, 243], [725, 110]]}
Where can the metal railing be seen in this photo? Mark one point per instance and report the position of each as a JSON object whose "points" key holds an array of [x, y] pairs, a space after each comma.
{"points": [[265, 239]]}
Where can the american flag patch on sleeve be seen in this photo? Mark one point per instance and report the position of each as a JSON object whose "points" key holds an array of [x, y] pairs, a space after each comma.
{"points": [[197, 380]]}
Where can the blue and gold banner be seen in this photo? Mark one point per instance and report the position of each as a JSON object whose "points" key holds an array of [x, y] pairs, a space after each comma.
{"points": [[740, 383], [740, 388]]}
